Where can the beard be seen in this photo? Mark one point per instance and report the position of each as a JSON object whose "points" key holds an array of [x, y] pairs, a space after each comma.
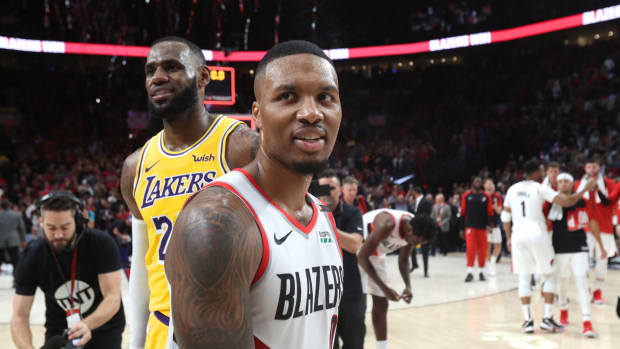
{"points": [[308, 167], [61, 245], [179, 103]]}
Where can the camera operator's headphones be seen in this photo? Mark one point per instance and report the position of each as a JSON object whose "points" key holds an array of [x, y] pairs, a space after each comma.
{"points": [[78, 207]]}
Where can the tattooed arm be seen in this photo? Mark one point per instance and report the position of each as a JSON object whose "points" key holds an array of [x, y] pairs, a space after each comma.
{"points": [[212, 257], [241, 147]]}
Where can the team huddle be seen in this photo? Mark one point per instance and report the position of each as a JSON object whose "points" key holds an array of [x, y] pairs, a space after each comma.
{"points": [[554, 250]]}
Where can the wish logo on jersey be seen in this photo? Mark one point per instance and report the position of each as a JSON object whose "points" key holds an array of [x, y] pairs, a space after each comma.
{"points": [[300, 293], [174, 186]]}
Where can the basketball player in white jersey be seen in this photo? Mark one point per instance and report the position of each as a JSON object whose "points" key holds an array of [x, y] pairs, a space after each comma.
{"points": [[532, 250], [386, 231], [254, 260]]}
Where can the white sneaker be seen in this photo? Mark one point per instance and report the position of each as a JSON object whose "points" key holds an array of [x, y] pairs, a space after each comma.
{"points": [[491, 269]]}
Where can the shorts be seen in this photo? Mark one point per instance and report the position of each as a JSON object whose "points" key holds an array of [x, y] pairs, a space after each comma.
{"points": [[577, 262], [157, 334], [495, 236], [368, 285], [532, 253], [609, 242]]}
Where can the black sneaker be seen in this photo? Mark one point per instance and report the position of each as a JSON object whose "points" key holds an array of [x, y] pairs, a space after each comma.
{"points": [[482, 278], [528, 326], [469, 278], [548, 324]]}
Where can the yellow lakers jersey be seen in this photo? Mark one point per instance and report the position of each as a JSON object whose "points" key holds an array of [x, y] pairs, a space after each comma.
{"points": [[164, 180]]}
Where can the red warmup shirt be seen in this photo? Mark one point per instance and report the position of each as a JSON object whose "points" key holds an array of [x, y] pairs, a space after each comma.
{"points": [[603, 213], [477, 210]]}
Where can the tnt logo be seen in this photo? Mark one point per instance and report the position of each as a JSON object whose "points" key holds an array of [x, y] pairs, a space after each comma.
{"points": [[325, 237]]}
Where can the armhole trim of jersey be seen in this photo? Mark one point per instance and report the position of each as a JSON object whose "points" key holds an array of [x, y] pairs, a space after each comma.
{"points": [[139, 168], [396, 225], [223, 145], [264, 263]]}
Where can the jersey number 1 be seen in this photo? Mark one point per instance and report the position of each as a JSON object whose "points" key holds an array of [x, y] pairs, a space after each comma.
{"points": [[523, 207], [160, 223]]}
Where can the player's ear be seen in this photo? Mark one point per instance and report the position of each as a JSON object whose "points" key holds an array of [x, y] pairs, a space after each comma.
{"points": [[258, 120], [204, 77]]}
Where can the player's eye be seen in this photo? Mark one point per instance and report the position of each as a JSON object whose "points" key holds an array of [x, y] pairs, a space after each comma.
{"points": [[285, 96]]}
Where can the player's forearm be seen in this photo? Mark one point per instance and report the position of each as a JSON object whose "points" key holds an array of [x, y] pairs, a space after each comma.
{"points": [[108, 307], [350, 242], [20, 331], [403, 266], [508, 229]]}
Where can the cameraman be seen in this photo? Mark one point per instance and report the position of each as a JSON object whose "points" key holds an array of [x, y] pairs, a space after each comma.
{"points": [[70, 260], [352, 310]]}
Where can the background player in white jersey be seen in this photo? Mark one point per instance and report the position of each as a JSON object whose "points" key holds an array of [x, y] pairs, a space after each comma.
{"points": [[221, 245], [571, 251], [532, 251], [386, 231]]}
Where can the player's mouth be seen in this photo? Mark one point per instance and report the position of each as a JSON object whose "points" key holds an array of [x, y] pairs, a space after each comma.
{"points": [[160, 95], [310, 139]]}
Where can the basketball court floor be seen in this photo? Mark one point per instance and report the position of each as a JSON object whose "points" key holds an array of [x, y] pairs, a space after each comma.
{"points": [[445, 312]]}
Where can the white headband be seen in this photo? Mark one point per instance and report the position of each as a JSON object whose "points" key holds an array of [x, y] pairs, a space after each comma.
{"points": [[566, 176]]}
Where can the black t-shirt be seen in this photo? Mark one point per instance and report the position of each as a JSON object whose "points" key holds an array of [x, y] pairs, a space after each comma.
{"points": [[349, 219], [568, 233], [476, 210], [97, 254]]}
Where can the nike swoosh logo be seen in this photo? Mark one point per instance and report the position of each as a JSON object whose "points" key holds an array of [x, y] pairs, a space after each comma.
{"points": [[281, 240], [153, 165]]}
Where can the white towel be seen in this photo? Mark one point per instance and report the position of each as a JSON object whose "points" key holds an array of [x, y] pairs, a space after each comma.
{"points": [[556, 212], [601, 186]]}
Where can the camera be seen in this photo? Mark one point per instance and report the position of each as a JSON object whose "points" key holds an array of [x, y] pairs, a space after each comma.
{"points": [[61, 342]]}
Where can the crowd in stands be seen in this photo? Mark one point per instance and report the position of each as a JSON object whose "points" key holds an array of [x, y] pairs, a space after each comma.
{"points": [[441, 123]]}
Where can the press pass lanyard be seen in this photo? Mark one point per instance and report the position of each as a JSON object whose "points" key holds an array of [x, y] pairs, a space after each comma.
{"points": [[73, 272]]}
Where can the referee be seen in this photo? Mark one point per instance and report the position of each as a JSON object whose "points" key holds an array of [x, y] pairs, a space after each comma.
{"points": [[351, 327]]}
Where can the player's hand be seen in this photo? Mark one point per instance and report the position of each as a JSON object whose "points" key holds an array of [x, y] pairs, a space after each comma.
{"points": [[80, 330], [407, 295], [603, 253], [509, 245], [591, 184], [391, 295], [462, 234]]}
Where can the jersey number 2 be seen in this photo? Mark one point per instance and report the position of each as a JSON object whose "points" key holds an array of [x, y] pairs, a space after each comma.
{"points": [[161, 223]]}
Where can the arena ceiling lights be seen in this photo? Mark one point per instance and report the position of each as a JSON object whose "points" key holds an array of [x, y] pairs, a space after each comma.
{"points": [[475, 39]]}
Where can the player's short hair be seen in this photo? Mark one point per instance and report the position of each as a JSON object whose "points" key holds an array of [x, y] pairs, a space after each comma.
{"points": [[329, 173], [425, 227], [194, 49], [594, 158], [531, 166], [553, 164], [350, 180], [289, 48]]}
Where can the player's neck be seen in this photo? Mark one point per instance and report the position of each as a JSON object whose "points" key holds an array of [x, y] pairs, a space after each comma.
{"points": [[285, 186], [186, 128]]}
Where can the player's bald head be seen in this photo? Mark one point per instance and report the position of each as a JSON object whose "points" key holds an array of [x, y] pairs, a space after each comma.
{"points": [[288, 48]]}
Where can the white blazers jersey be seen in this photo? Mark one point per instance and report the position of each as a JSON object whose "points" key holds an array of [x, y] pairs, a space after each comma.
{"points": [[298, 286], [395, 240], [525, 200]]}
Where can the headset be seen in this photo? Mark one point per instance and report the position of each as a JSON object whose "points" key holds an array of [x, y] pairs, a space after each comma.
{"points": [[78, 207]]}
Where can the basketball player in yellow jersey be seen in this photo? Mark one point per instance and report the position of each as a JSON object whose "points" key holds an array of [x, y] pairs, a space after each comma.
{"points": [[193, 149]]}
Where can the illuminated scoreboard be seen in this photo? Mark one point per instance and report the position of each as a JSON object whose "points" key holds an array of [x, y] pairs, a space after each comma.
{"points": [[221, 88]]}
